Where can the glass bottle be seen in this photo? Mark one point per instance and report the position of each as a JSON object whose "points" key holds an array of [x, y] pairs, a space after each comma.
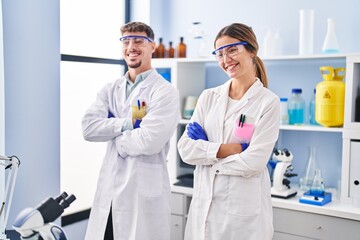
{"points": [[181, 48], [330, 44], [312, 105], [317, 187], [160, 49], [307, 178], [284, 117], [170, 51], [296, 107]]}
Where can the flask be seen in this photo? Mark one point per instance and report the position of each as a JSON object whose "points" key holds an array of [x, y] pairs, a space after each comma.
{"points": [[284, 117], [181, 48], [160, 49], [307, 178], [330, 97], [312, 105], [317, 187], [330, 44], [170, 51], [296, 107]]}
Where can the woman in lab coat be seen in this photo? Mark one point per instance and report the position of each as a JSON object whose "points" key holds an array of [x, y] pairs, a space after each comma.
{"points": [[133, 185], [231, 198]]}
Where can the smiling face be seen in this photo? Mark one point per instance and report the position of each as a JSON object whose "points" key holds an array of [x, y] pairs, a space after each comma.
{"points": [[237, 63], [137, 54]]}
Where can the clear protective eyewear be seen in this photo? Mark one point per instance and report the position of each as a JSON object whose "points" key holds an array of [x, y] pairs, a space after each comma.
{"points": [[138, 41], [230, 50]]}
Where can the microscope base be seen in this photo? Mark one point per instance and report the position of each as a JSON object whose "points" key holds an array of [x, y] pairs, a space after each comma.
{"points": [[287, 193]]}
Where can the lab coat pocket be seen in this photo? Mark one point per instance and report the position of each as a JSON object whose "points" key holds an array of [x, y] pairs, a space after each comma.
{"points": [[243, 132], [149, 179], [244, 196]]}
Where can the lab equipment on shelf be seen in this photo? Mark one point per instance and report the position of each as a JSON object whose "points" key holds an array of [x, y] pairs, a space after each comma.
{"points": [[189, 106], [283, 170], [296, 107], [200, 37], [317, 186], [316, 195], [312, 105], [284, 116], [181, 48], [330, 43], [330, 97], [160, 49], [306, 31], [307, 178], [170, 52]]}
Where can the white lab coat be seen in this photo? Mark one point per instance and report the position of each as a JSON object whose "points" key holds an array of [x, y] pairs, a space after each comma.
{"points": [[231, 196], [133, 178]]}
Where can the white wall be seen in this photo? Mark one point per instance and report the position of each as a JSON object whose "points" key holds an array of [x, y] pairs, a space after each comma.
{"points": [[2, 117], [177, 17]]}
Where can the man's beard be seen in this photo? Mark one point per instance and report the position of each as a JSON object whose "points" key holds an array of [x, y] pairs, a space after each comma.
{"points": [[134, 65]]}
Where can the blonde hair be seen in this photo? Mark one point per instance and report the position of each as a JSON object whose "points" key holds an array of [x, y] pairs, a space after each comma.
{"points": [[245, 33]]}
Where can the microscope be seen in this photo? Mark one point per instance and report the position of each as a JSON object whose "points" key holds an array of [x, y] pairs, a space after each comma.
{"points": [[36, 223], [283, 170]]}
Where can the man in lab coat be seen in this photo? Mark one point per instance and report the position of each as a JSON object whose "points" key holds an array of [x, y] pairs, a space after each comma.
{"points": [[136, 115]]}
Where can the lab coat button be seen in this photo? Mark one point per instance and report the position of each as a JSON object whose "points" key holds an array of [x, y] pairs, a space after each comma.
{"points": [[217, 171]]}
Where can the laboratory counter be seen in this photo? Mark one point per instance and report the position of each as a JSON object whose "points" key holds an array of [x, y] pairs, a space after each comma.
{"points": [[334, 208]]}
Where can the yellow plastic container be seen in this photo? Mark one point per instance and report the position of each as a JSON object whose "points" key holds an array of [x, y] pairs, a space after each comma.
{"points": [[330, 97]]}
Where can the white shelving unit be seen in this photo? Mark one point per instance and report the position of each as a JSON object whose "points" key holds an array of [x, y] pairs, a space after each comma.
{"points": [[189, 76]]}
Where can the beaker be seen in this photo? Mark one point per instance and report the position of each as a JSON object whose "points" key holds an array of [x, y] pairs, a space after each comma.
{"points": [[317, 187], [307, 178]]}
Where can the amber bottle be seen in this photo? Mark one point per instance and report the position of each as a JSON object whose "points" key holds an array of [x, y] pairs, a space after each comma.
{"points": [[160, 49], [170, 51], [181, 48]]}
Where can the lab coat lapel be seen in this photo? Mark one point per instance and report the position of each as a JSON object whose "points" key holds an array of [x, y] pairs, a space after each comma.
{"points": [[150, 80], [222, 101], [251, 92]]}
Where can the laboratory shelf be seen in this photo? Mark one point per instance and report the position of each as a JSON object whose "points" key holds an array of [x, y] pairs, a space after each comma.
{"points": [[310, 128], [168, 62]]}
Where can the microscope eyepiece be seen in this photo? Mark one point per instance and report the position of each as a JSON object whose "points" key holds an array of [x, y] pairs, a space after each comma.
{"points": [[61, 197], [67, 201]]}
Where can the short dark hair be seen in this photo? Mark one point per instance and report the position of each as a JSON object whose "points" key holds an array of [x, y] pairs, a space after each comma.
{"points": [[138, 27]]}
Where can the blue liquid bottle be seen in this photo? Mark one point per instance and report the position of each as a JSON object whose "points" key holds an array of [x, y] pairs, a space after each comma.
{"points": [[296, 107], [312, 104]]}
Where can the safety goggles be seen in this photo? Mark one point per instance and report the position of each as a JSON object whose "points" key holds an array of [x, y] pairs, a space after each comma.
{"points": [[138, 41], [230, 50]]}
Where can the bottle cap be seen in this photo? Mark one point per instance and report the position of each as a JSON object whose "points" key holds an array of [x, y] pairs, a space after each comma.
{"points": [[283, 99], [296, 90]]}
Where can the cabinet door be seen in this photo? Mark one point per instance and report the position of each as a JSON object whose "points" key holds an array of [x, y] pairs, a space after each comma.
{"points": [[354, 170], [177, 227], [177, 204], [285, 236], [314, 226]]}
